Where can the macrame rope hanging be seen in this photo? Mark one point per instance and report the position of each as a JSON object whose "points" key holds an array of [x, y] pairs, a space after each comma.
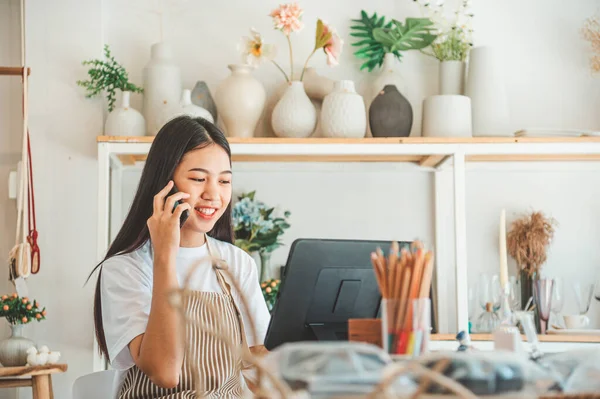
{"points": [[24, 257]]}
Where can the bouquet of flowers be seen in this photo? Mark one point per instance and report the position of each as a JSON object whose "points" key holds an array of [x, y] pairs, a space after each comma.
{"points": [[19, 310], [287, 18], [256, 226], [270, 288], [454, 40]]}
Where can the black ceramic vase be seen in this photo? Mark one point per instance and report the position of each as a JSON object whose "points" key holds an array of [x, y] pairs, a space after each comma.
{"points": [[201, 97], [390, 114]]}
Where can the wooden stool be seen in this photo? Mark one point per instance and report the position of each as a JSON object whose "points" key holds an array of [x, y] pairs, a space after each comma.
{"points": [[39, 378]]}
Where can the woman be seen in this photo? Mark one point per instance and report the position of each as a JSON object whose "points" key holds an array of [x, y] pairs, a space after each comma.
{"points": [[137, 328]]}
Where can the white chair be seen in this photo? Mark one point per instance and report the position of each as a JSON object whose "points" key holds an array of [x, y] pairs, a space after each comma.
{"points": [[98, 385]]}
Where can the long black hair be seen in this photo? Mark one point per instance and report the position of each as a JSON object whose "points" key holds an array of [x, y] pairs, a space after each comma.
{"points": [[177, 137]]}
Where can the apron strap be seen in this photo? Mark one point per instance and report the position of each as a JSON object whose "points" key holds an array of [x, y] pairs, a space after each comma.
{"points": [[213, 252]]}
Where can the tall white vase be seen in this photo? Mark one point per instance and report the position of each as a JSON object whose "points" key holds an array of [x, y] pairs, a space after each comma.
{"points": [[486, 88], [162, 87], [343, 112], [125, 121], [452, 77], [294, 114], [388, 75], [447, 115], [240, 100]]}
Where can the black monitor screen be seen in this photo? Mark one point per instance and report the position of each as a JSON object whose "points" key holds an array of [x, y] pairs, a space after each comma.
{"points": [[325, 283]]}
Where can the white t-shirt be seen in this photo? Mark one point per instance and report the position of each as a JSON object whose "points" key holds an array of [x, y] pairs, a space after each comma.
{"points": [[126, 292]]}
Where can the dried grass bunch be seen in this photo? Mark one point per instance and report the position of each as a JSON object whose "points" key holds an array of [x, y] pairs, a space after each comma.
{"points": [[528, 241], [591, 33]]}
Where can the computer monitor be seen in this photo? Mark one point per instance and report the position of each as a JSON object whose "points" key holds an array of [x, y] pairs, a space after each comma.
{"points": [[325, 283]]}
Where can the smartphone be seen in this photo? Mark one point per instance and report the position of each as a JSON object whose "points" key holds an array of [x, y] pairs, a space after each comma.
{"points": [[185, 214]]}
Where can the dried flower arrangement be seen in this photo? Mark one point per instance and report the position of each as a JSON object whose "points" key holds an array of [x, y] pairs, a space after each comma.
{"points": [[528, 240], [591, 33]]}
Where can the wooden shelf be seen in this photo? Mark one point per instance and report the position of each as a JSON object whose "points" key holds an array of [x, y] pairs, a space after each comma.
{"points": [[541, 338], [13, 71], [423, 151], [371, 140]]}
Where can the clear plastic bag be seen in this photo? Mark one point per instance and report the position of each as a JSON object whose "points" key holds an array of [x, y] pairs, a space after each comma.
{"points": [[576, 371], [489, 373]]}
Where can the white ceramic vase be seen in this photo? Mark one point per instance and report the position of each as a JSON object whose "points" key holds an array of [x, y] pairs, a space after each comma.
{"points": [[294, 114], [125, 121], [343, 112], [486, 87], [315, 85], [452, 77], [388, 75], [162, 87], [240, 99], [13, 350], [447, 116], [187, 108]]}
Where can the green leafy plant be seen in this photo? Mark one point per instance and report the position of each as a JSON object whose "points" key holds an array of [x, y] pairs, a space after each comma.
{"points": [[371, 50], [379, 37], [19, 310], [107, 76], [414, 34], [270, 289]]}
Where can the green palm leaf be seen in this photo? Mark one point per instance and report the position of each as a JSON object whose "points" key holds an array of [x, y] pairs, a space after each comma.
{"points": [[369, 47], [414, 34]]}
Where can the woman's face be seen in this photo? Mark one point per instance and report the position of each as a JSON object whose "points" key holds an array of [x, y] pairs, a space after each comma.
{"points": [[205, 174]]}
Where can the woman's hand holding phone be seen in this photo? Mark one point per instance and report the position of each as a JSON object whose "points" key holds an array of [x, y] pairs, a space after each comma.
{"points": [[164, 224]]}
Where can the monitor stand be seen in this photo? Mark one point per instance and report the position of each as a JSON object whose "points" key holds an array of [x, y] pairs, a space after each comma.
{"points": [[330, 331]]}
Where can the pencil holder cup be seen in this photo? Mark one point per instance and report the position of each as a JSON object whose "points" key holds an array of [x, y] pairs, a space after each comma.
{"points": [[421, 327], [390, 324]]}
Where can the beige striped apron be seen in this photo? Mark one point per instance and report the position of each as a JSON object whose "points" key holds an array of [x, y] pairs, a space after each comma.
{"points": [[220, 371]]}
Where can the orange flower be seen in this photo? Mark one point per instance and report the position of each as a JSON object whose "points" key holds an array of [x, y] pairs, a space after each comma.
{"points": [[24, 301], [38, 316], [4, 297], [28, 307], [5, 307], [44, 313], [263, 285], [268, 290], [24, 320], [14, 295], [273, 284]]}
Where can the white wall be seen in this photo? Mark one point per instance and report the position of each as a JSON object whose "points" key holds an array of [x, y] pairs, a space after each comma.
{"points": [[548, 82]]}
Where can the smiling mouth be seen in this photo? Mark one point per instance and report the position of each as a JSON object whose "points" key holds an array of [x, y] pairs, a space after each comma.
{"points": [[205, 213]]}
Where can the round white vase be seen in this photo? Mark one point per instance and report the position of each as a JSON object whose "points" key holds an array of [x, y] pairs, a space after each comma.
{"points": [[486, 87], [447, 116], [162, 86], [240, 99], [315, 85], [294, 114], [452, 77], [343, 112], [187, 108], [125, 121]]}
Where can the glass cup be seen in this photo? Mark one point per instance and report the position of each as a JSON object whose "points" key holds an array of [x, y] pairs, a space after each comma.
{"points": [[542, 293], [390, 326], [421, 327]]}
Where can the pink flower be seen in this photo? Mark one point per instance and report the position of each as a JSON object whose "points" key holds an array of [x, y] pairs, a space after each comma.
{"points": [[333, 47], [287, 18]]}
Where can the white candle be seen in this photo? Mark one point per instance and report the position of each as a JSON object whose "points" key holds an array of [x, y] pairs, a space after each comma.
{"points": [[503, 263]]}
